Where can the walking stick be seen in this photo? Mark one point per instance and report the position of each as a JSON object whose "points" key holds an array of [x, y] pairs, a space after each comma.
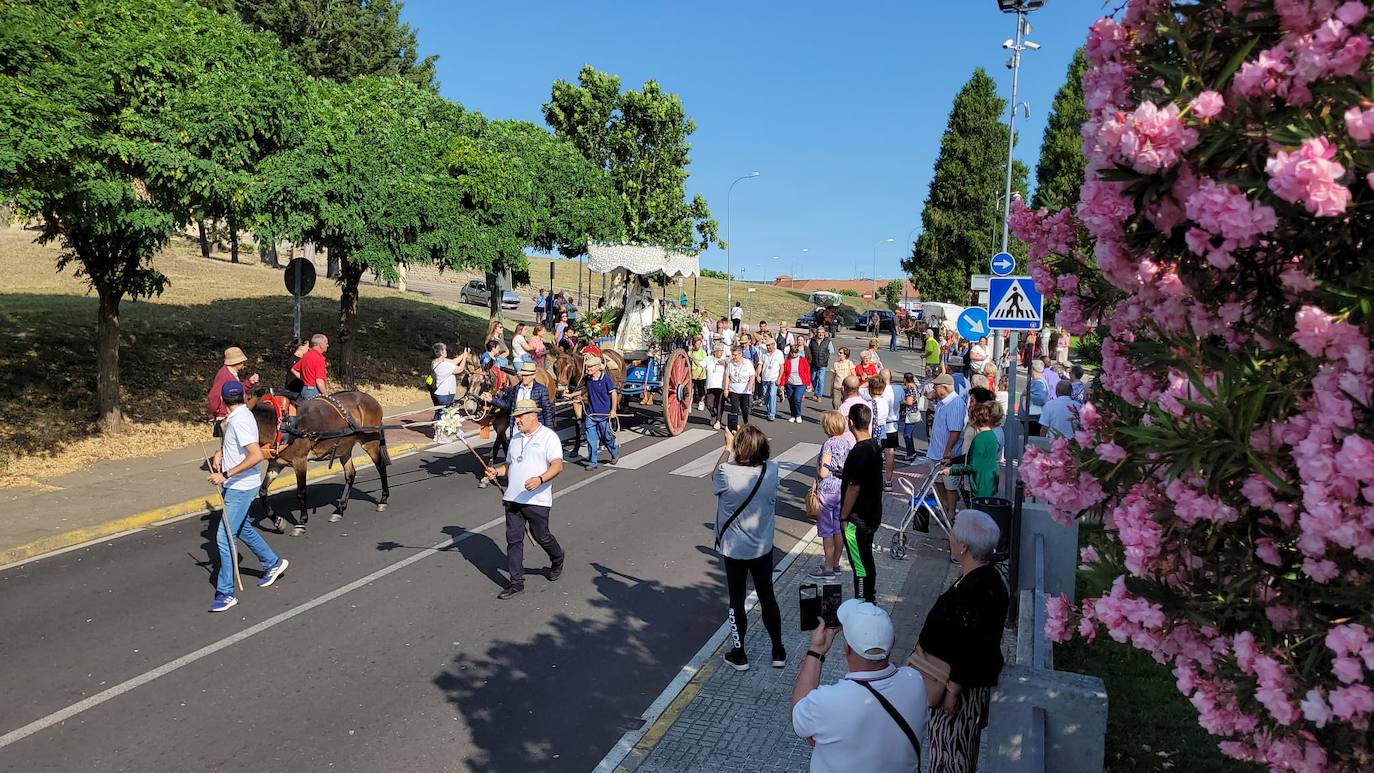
{"points": [[224, 519], [488, 468]]}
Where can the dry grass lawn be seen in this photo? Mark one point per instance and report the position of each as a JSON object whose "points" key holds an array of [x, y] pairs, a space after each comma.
{"points": [[171, 348]]}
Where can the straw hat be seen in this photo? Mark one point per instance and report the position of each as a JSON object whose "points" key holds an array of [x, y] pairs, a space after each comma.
{"points": [[234, 356]]}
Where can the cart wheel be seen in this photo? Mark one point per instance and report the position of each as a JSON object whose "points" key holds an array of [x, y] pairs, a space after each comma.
{"points": [[898, 546], [677, 391]]}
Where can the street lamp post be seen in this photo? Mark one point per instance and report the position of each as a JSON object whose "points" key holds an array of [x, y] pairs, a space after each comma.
{"points": [[888, 240], [1015, 438], [729, 264], [794, 268]]}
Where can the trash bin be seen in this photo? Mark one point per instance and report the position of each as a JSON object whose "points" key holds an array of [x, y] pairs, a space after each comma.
{"points": [[1001, 511]]}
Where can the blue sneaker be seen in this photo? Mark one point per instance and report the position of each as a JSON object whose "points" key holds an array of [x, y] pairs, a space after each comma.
{"points": [[222, 603], [271, 575]]}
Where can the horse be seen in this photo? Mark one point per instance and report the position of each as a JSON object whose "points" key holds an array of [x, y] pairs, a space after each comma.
{"points": [[827, 318], [913, 329], [309, 436], [570, 372], [482, 382]]}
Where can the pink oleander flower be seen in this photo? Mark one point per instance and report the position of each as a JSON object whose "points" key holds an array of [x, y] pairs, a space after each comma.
{"points": [[1088, 556], [1058, 610], [1052, 476], [1106, 40], [1149, 139], [1207, 105], [1310, 177], [1110, 452], [1351, 701], [1359, 123]]}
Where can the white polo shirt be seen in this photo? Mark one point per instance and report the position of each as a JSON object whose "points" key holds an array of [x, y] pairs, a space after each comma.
{"points": [[853, 731], [240, 429], [530, 456], [737, 375], [715, 373]]}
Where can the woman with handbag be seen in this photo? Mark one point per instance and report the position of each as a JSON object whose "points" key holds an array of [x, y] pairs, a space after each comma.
{"points": [[959, 652], [827, 493], [746, 485]]}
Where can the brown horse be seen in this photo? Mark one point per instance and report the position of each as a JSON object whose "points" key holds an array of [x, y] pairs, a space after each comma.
{"points": [[913, 329], [482, 383], [827, 318], [313, 435]]}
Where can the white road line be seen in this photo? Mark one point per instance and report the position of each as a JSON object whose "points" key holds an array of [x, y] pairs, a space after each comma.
{"points": [[699, 467], [789, 462], [70, 548], [253, 630], [662, 448]]}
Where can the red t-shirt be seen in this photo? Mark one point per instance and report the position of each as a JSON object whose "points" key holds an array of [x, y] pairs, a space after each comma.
{"points": [[864, 371], [312, 368]]}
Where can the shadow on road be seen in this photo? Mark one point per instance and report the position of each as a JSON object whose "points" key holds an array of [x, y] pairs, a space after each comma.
{"points": [[560, 699]]}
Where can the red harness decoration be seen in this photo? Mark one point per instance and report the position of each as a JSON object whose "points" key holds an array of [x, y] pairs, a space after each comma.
{"points": [[282, 407]]}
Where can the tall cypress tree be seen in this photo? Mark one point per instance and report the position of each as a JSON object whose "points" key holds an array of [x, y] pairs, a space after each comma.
{"points": [[961, 221], [1059, 174]]}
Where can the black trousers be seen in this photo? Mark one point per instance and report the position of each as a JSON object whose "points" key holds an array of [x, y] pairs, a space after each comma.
{"points": [[536, 517], [739, 403], [858, 542], [734, 323], [737, 574], [699, 389], [715, 403]]}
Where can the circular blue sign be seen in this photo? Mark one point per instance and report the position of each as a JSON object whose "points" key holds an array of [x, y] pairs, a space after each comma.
{"points": [[1003, 264], [972, 323]]}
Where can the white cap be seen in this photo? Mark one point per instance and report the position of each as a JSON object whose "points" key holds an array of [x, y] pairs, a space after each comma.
{"points": [[867, 629]]}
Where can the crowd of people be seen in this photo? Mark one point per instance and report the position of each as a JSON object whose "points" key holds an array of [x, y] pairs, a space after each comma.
{"points": [[872, 719]]}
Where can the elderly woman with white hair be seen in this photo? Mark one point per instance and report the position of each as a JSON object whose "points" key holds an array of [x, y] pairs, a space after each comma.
{"points": [[959, 651]]}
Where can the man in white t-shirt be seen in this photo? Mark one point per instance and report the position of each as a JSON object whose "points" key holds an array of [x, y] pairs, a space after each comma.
{"points": [[535, 458], [736, 316], [236, 470], [770, 367], [893, 394], [724, 335], [854, 724]]}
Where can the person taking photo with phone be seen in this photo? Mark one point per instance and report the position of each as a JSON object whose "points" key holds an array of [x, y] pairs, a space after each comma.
{"points": [[872, 719], [746, 486]]}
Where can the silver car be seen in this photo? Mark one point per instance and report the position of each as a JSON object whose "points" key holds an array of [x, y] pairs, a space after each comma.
{"points": [[476, 291]]}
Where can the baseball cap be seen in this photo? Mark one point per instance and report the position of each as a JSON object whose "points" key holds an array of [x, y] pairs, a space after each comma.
{"points": [[944, 379], [232, 390], [523, 407], [527, 369], [867, 629], [234, 356]]}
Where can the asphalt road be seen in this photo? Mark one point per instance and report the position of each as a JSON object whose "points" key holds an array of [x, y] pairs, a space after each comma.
{"points": [[383, 648]]}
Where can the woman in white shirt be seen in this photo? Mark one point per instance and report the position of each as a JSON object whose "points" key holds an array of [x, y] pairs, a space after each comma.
{"points": [[443, 377], [977, 355], [519, 348], [715, 383]]}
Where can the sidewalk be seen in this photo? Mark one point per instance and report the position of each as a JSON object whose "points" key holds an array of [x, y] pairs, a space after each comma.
{"points": [[726, 720], [113, 497]]}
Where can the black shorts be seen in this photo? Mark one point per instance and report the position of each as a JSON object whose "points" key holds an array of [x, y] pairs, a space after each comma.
{"points": [[890, 440]]}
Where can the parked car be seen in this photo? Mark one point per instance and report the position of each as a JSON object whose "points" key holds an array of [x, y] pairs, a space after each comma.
{"points": [[807, 320], [885, 320], [476, 292]]}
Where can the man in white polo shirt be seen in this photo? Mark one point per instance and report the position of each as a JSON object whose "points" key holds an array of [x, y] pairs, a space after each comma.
{"points": [[873, 719], [535, 458]]}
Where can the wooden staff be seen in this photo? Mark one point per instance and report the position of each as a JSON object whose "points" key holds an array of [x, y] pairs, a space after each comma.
{"points": [[224, 519]]}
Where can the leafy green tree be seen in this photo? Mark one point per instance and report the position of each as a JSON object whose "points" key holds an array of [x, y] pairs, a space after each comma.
{"points": [[961, 221], [640, 139], [1059, 173], [368, 183], [105, 135], [892, 291], [711, 273], [524, 188], [339, 39]]}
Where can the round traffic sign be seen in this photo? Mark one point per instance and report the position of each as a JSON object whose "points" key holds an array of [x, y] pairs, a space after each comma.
{"points": [[1003, 264], [305, 270], [972, 323]]}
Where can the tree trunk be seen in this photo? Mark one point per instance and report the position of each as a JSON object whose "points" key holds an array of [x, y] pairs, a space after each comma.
{"points": [[204, 238], [233, 225], [267, 252], [107, 363], [348, 317], [401, 277], [333, 269]]}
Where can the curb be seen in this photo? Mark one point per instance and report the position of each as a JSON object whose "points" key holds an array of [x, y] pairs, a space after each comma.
{"points": [[205, 505]]}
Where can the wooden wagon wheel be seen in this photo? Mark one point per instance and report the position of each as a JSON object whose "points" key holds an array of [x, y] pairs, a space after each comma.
{"points": [[677, 391]]}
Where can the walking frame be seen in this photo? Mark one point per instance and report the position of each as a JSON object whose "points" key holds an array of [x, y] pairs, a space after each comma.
{"points": [[920, 496]]}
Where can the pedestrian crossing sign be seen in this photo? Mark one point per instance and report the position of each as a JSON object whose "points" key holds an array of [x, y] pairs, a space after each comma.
{"points": [[1014, 304]]}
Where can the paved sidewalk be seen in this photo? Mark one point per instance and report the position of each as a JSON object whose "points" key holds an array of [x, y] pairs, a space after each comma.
{"points": [[726, 720]]}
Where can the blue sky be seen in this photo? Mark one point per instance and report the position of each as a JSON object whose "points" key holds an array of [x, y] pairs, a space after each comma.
{"points": [[840, 108]]}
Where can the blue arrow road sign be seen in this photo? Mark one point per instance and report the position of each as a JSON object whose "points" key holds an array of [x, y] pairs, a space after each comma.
{"points": [[1003, 264], [1014, 304], [973, 323]]}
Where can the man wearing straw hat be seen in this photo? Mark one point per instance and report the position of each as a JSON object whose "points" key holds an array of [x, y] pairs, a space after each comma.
{"points": [[602, 402], [234, 360], [235, 469], [526, 389], [534, 460]]}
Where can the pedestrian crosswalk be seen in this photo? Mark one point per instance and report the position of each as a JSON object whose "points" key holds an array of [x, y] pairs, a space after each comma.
{"points": [[662, 448], [788, 461]]}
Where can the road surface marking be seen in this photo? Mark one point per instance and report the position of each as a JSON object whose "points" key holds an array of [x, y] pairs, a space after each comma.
{"points": [[790, 461], [653, 453], [63, 715], [699, 467]]}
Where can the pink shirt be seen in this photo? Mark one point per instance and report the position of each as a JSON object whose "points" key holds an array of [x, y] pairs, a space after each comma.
{"points": [[844, 411]]}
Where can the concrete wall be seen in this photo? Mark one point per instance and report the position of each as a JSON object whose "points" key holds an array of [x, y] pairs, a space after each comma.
{"points": [[1046, 721], [1060, 550]]}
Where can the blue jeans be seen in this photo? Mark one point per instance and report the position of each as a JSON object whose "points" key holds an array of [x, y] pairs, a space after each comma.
{"points": [[308, 392], [440, 403], [892, 345], [909, 438], [795, 393], [818, 385], [236, 503], [770, 399], [598, 431]]}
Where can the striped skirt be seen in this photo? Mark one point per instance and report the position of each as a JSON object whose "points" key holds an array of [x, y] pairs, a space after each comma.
{"points": [[953, 742]]}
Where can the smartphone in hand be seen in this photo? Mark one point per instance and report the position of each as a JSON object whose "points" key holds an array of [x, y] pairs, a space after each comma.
{"points": [[733, 422], [810, 604], [832, 594]]}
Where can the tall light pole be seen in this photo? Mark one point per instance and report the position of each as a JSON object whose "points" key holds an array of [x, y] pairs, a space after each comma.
{"points": [[888, 240], [729, 264], [1015, 438], [794, 267]]}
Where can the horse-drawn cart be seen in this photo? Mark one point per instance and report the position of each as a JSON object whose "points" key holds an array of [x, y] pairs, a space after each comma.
{"points": [[669, 375]]}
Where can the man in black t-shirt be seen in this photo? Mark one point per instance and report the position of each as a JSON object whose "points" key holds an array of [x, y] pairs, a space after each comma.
{"points": [[861, 500]]}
